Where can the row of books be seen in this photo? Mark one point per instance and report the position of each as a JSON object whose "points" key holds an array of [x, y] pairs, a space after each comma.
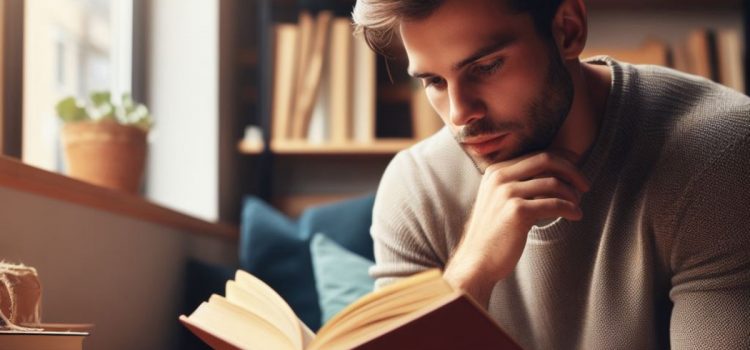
{"points": [[324, 82], [713, 54], [325, 85]]}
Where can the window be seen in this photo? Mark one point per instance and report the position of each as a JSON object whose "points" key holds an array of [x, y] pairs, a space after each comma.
{"points": [[71, 47], [74, 47]]}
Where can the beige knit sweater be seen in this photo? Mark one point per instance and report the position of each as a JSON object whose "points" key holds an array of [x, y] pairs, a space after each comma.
{"points": [[662, 255]]}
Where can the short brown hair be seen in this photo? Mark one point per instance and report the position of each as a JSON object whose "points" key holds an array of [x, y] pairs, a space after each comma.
{"points": [[378, 20]]}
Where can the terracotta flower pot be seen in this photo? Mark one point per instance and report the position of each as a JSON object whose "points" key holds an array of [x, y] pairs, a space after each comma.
{"points": [[105, 153]]}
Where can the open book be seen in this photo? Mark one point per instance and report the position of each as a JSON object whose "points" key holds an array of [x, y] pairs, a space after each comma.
{"points": [[419, 312]]}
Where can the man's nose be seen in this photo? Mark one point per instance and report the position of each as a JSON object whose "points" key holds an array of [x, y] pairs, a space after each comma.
{"points": [[465, 105]]}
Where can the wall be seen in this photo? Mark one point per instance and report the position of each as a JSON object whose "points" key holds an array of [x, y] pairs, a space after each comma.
{"points": [[121, 274]]}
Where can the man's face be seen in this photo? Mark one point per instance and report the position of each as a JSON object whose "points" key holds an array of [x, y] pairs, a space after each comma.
{"points": [[501, 87]]}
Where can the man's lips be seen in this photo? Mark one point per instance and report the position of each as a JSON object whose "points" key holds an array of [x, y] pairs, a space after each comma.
{"points": [[485, 144]]}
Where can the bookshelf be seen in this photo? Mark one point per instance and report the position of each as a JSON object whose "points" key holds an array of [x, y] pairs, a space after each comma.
{"points": [[392, 127], [394, 99]]}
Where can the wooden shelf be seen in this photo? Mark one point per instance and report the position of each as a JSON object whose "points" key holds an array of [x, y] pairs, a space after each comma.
{"points": [[379, 147]]}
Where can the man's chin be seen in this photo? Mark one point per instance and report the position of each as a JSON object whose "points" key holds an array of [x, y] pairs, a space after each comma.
{"points": [[482, 162]]}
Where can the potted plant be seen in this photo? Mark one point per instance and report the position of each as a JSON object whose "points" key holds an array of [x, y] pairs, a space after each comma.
{"points": [[104, 143]]}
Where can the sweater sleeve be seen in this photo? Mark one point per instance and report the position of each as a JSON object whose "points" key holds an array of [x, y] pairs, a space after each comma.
{"points": [[399, 223], [710, 257]]}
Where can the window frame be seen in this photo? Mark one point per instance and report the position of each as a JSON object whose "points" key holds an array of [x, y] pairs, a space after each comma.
{"points": [[11, 77]]}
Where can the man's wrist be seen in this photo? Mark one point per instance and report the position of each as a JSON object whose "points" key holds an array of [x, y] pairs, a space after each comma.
{"points": [[469, 278]]}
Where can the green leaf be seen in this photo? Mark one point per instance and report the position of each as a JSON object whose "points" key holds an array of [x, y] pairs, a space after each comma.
{"points": [[99, 98], [69, 110]]}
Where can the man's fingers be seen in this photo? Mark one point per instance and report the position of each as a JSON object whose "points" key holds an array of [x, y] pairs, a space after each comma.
{"points": [[547, 187], [546, 208], [541, 164]]}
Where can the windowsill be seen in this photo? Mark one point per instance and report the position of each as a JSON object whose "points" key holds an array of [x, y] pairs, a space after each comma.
{"points": [[17, 175]]}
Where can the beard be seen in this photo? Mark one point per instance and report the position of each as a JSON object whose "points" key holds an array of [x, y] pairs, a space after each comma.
{"points": [[542, 120]]}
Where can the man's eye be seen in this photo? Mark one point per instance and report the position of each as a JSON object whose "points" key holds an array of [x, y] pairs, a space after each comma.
{"points": [[487, 69], [433, 81]]}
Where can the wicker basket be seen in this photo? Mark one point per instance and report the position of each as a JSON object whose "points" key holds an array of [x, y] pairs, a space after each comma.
{"points": [[106, 154]]}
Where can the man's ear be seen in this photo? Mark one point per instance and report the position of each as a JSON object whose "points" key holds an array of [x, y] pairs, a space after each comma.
{"points": [[570, 28]]}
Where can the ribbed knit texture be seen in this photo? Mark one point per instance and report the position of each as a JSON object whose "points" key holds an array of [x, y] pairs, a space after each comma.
{"points": [[662, 255]]}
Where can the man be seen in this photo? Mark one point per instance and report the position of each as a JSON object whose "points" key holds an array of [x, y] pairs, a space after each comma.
{"points": [[588, 205]]}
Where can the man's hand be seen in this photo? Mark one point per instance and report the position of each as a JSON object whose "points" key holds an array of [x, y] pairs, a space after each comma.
{"points": [[512, 197]]}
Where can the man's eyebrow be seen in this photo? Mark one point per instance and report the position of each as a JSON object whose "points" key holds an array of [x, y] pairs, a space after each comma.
{"points": [[497, 45]]}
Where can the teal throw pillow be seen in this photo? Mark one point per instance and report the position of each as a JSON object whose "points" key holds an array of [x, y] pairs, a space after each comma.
{"points": [[341, 276]]}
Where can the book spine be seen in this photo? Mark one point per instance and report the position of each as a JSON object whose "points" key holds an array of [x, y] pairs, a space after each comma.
{"points": [[308, 91], [284, 77], [340, 80], [729, 52], [364, 83]]}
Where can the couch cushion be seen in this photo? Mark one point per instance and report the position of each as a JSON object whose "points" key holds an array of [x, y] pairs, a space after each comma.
{"points": [[272, 249], [341, 276], [346, 222]]}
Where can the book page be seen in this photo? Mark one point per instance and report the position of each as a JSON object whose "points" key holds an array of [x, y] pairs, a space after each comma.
{"points": [[238, 327], [251, 283], [307, 335], [392, 306], [400, 298], [253, 302], [383, 294]]}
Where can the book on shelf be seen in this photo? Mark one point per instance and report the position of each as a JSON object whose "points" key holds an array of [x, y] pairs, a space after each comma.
{"points": [[318, 129], [729, 59], [56, 336], [340, 59], [312, 71], [285, 70], [364, 83], [41, 340], [419, 312], [306, 23], [699, 47]]}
